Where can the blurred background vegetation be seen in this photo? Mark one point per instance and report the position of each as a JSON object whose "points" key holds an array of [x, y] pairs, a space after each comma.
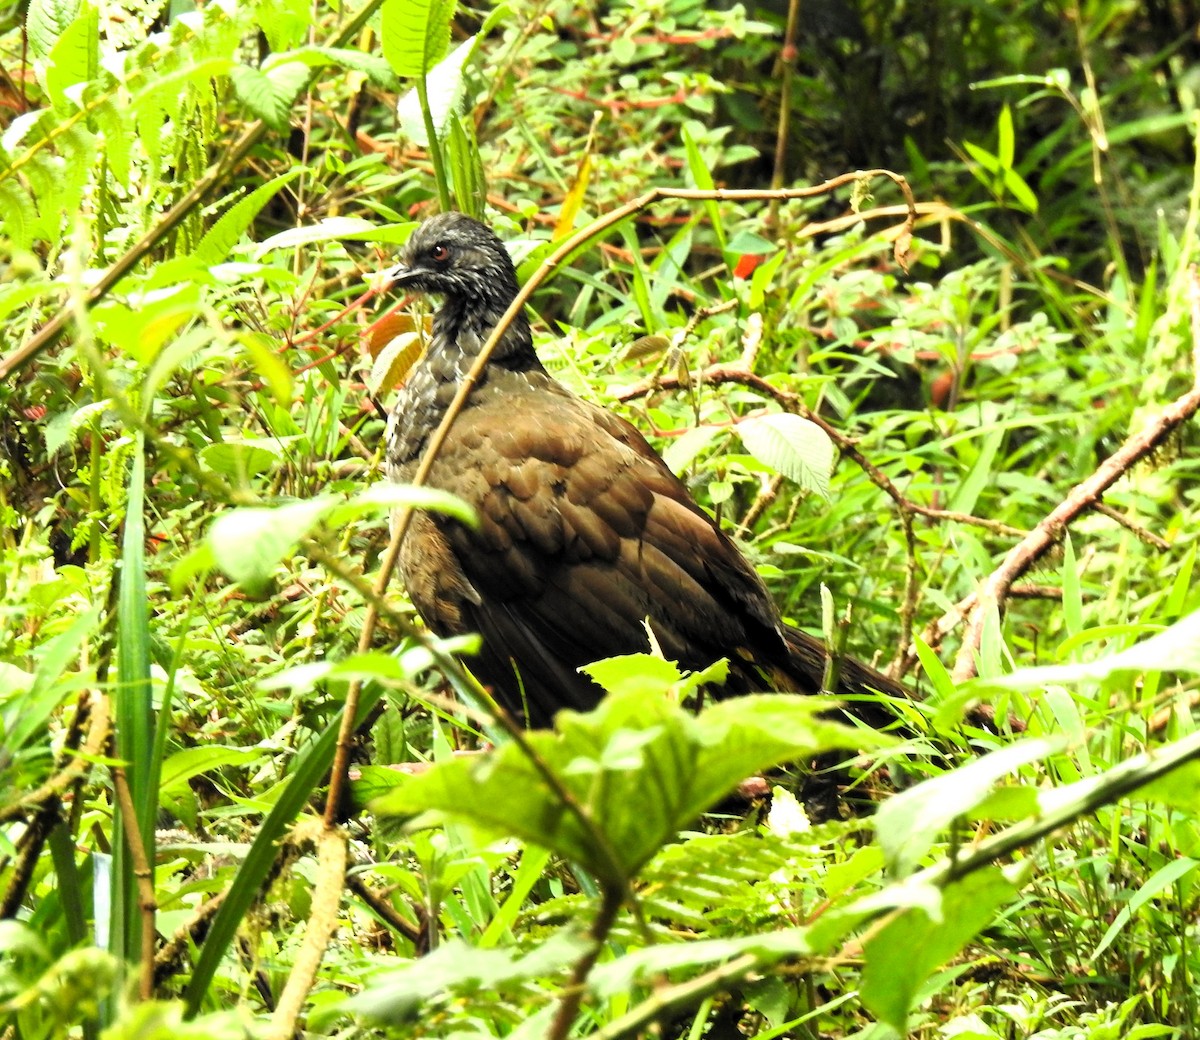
{"points": [[192, 201]]}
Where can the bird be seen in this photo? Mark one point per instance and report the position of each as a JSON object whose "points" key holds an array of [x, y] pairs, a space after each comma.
{"points": [[585, 536]]}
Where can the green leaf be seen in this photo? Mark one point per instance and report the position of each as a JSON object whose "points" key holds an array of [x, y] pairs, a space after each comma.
{"points": [[248, 544], [270, 95], [263, 356], [416, 34], [444, 91], [75, 56], [17, 214], [112, 122], [638, 769], [621, 975], [384, 496], [134, 717], [196, 761], [1163, 878], [1176, 649], [335, 228], [635, 674], [219, 240], [795, 447], [703, 179], [1005, 146], [905, 951], [375, 68], [46, 21], [240, 460], [457, 966], [311, 767], [908, 824]]}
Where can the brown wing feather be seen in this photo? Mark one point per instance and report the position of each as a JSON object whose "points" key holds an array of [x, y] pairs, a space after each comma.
{"points": [[584, 533]]}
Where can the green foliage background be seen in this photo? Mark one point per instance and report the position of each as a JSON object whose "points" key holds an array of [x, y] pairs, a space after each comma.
{"points": [[192, 202]]}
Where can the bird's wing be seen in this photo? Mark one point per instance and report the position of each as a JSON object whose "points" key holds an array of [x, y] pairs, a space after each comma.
{"points": [[584, 534]]}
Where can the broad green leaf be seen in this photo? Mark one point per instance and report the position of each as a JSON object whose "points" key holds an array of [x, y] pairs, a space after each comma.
{"points": [[332, 229], [908, 823], [1176, 649], [639, 768], [372, 66], [248, 544], [416, 34], [457, 966], [444, 91], [905, 951], [795, 447], [242, 459], [386, 495], [270, 95], [635, 674], [180, 767]]}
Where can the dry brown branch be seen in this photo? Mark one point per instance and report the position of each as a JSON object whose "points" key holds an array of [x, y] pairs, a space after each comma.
{"points": [[322, 922], [170, 956], [381, 907], [1138, 531], [144, 876], [1083, 496]]}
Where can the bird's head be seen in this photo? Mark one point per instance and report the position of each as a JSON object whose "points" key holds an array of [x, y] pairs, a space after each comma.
{"points": [[458, 258]]}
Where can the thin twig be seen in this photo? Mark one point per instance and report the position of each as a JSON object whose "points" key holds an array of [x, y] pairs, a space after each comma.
{"points": [[1083, 496]]}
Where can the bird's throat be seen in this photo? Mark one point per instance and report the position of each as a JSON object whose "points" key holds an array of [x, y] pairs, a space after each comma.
{"points": [[461, 327]]}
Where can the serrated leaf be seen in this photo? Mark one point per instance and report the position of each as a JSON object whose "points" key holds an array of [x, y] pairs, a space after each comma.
{"points": [[639, 768], [219, 240], [17, 214], [416, 34], [111, 121], [75, 55], [795, 447], [46, 21], [269, 95]]}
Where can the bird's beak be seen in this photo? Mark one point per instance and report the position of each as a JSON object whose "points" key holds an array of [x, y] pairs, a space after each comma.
{"points": [[396, 276]]}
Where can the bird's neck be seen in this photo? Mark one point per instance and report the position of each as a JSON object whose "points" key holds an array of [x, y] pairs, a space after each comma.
{"points": [[465, 325]]}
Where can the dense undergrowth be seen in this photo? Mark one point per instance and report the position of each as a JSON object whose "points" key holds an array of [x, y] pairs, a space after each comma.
{"points": [[192, 390]]}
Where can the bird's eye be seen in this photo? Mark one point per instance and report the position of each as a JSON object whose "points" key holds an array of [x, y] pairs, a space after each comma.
{"points": [[439, 253]]}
